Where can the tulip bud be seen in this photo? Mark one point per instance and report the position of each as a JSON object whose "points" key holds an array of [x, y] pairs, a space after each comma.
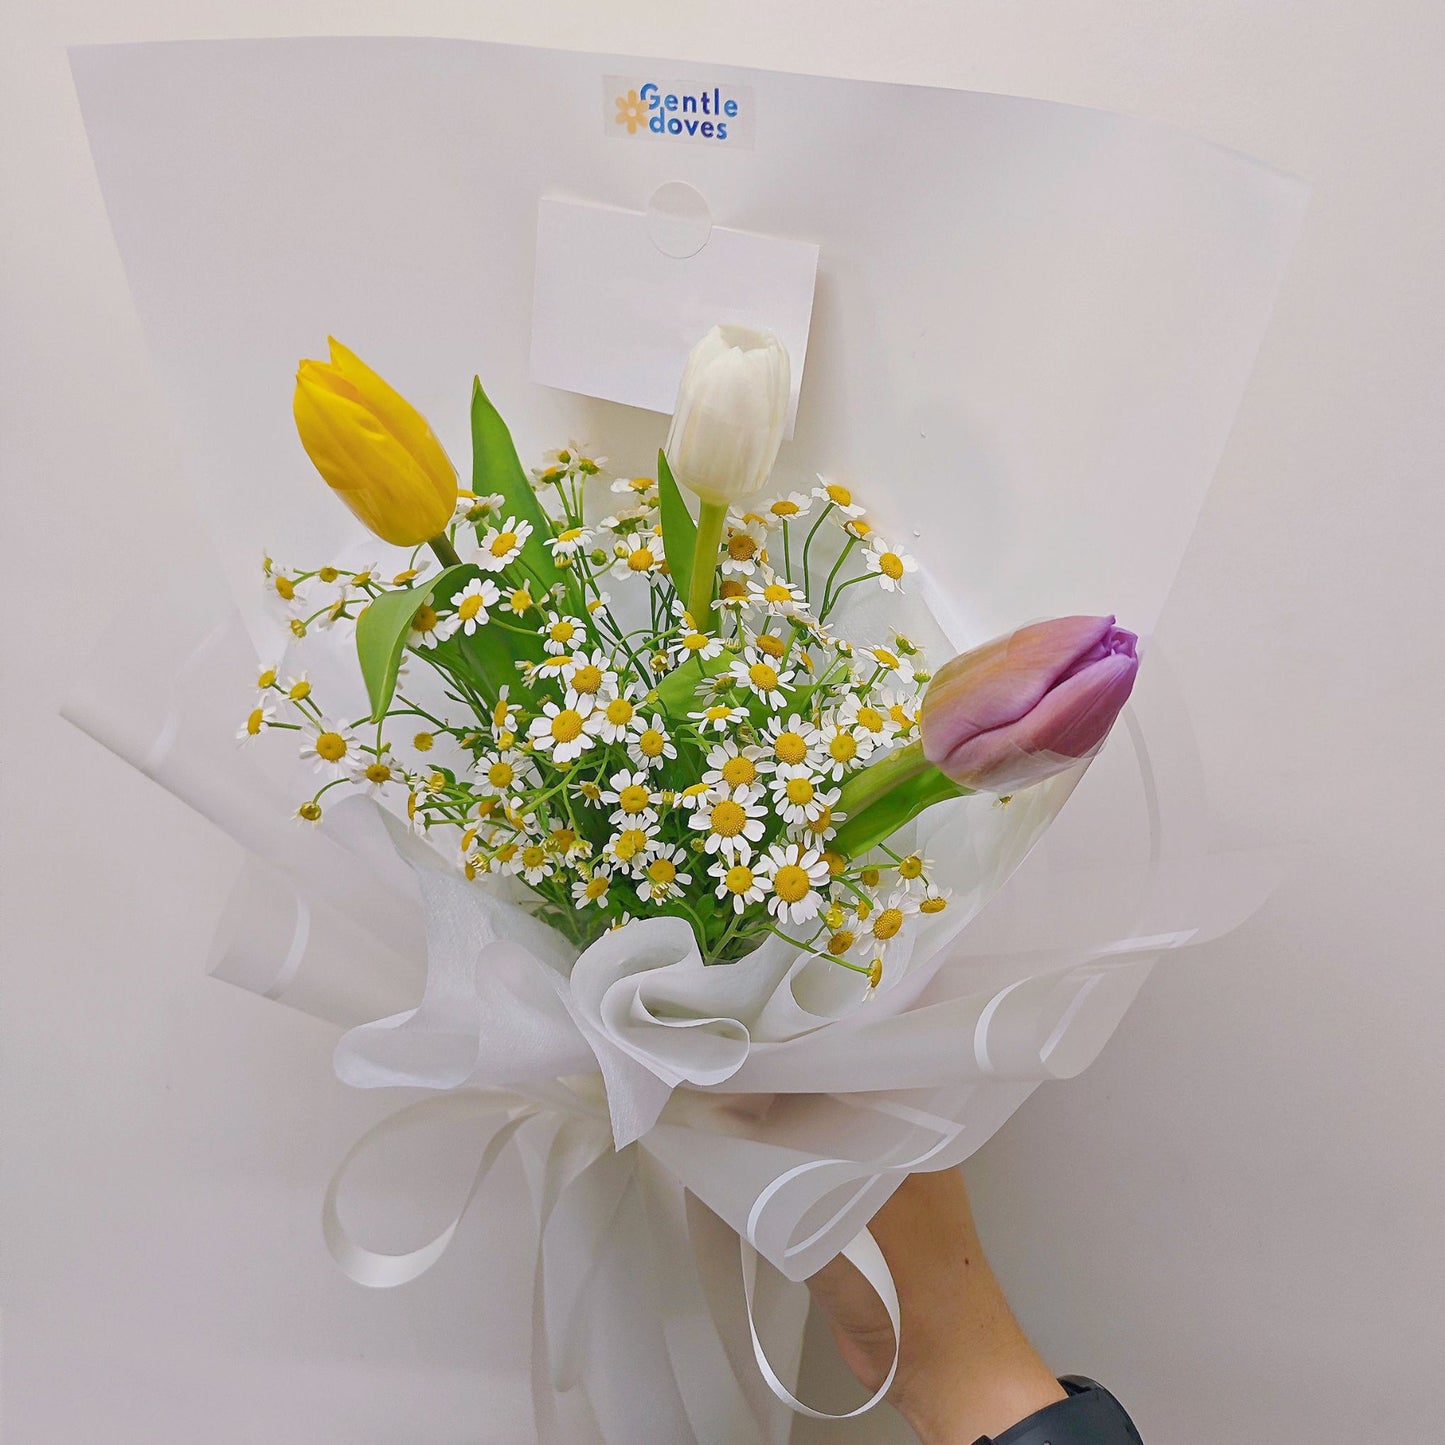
{"points": [[732, 407], [1025, 706], [374, 449]]}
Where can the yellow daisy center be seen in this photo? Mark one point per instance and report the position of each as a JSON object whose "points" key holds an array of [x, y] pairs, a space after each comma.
{"points": [[587, 679], [256, 721], [695, 641], [784, 508], [891, 565], [267, 678], [630, 842], [822, 822], [739, 772], [561, 631], [285, 588], [870, 718], [567, 725], [841, 941], [841, 495], [299, 690], [776, 592], [741, 547], [791, 883], [843, 748], [911, 867], [641, 560], [378, 773], [310, 811], [500, 774], [570, 535], [799, 790], [769, 644], [763, 677], [469, 607], [620, 711], [422, 742], [520, 600], [836, 862], [662, 870], [328, 574], [331, 746], [790, 747], [719, 714], [533, 856], [738, 878], [933, 905], [732, 589], [595, 888], [728, 819], [503, 543], [887, 924], [651, 743], [634, 798]]}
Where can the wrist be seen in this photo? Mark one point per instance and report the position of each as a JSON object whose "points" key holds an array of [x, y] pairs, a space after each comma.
{"points": [[960, 1405]]}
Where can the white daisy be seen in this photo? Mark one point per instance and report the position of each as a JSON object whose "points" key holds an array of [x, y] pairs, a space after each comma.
{"points": [[472, 604], [839, 496], [331, 746], [590, 673], [842, 745], [788, 742], [614, 716], [797, 798], [737, 881], [743, 548], [474, 508], [629, 847], [592, 889], [718, 718], [790, 508], [376, 775], [297, 687], [692, 643], [760, 676], [638, 554], [913, 873], [569, 542], [636, 803], [650, 745], [866, 719], [424, 631], [891, 564], [885, 923], [732, 765], [638, 486], [777, 596], [505, 771], [562, 731], [536, 863], [900, 708], [561, 633], [502, 545], [731, 822], [793, 873], [256, 721], [662, 875]]}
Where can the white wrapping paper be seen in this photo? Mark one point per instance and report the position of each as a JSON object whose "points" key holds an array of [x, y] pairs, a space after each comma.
{"points": [[1026, 360]]}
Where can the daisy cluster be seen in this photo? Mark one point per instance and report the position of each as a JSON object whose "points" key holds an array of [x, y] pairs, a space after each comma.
{"points": [[637, 762]]}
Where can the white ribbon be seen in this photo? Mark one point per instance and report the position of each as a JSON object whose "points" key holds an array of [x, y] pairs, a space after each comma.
{"points": [[580, 1137]]}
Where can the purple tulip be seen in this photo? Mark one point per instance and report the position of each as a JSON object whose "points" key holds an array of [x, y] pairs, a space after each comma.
{"points": [[1025, 706]]}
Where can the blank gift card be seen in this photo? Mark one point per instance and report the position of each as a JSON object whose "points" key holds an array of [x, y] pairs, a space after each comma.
{"points": [[622, 296]]}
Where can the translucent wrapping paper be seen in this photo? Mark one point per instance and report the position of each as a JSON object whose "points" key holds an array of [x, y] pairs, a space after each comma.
{"points": [[1032, 327]]}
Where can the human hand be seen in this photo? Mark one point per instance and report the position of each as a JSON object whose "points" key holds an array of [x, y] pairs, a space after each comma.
{"points": [[965, 1368]]}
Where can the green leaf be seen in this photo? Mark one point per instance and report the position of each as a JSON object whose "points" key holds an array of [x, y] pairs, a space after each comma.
{"points": [[882, 819], [679, 531], [381, 633], [497, 468], [677, 693]]}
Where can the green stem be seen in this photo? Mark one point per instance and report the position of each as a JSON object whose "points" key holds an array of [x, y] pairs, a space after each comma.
{"points": [[882, 777], [710, 519], [446, 553]]}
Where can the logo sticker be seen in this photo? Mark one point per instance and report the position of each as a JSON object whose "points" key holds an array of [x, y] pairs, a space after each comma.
{"points": [[644, 108]]}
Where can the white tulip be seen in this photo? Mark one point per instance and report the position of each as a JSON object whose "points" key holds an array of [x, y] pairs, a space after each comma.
{"points": [[732, 407]]}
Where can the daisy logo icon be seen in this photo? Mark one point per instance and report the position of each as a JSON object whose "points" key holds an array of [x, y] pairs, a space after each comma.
{"points": [[631, 112]]}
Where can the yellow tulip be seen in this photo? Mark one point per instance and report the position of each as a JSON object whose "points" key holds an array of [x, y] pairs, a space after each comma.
{"points": [[374, 449]]}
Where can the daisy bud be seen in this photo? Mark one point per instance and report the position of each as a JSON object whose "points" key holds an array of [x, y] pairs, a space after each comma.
{"points": [[732, 407], [374, 449]]}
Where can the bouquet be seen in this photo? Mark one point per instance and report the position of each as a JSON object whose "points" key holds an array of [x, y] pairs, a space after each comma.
{"points": [[648, 714]]}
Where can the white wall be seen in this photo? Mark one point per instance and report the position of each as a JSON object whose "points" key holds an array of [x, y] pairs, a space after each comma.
{"points": [[1236, 1217]]}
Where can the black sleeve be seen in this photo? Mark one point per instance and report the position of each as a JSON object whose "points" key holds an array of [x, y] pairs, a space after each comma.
{"points": [[1090, 1416]]}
